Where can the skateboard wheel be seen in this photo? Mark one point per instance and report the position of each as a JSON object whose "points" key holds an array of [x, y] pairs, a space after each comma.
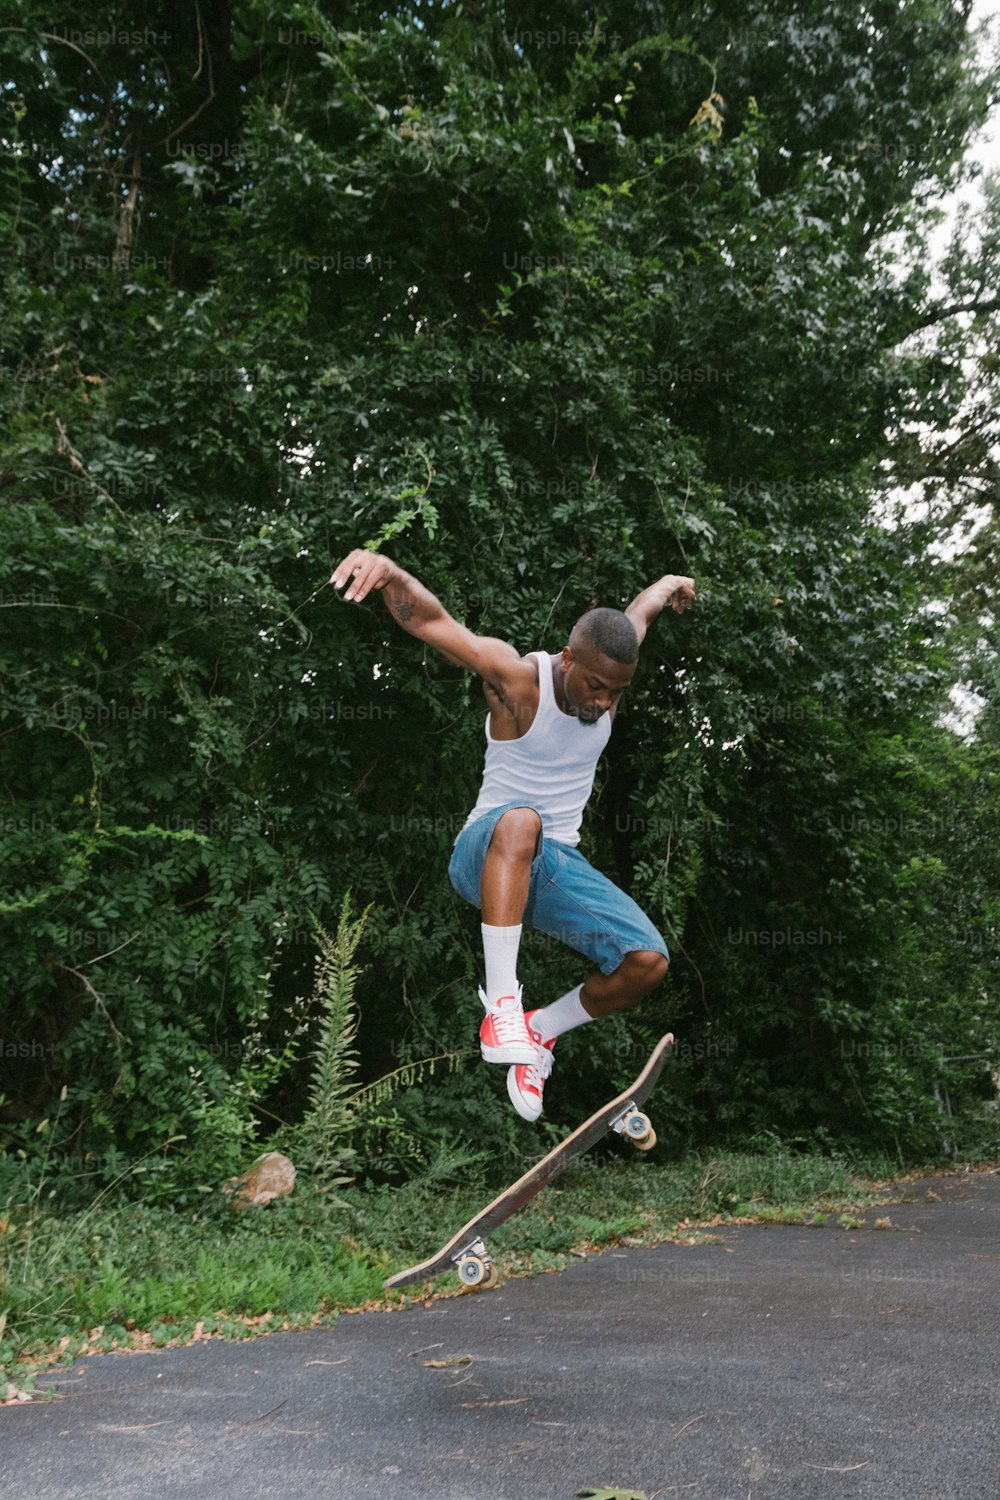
{"points": [[492, 1277], [640, 1131], [473, 1270]]}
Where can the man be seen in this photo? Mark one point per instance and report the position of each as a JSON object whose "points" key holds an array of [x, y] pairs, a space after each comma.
{"points": [[550, 717]]}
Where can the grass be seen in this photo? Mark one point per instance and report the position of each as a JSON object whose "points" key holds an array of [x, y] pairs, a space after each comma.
{"points": [[131, 1275]]}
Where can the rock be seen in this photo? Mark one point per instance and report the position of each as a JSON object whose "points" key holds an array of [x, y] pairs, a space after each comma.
{"points": [[271, 1175]]}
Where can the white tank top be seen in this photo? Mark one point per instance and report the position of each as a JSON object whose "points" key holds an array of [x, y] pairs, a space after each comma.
{"points": [[551, 768]]}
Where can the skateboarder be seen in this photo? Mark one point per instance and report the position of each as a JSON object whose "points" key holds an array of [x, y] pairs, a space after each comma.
{"points": [[550, 717]]}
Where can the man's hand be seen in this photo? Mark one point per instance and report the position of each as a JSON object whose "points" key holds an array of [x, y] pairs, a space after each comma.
{"points": [[671, 590], [370, 570], [676, 592]]}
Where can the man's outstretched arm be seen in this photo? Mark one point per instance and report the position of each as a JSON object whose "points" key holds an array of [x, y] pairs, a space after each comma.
{"points": [[423, 615], [671, 590]]}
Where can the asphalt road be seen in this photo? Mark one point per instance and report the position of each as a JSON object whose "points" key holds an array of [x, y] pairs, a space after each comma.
{"points": [[778, 1363]]}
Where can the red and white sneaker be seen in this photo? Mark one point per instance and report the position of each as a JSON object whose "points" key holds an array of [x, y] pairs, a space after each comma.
{"points": [[526, 1081], [504, 1036]]}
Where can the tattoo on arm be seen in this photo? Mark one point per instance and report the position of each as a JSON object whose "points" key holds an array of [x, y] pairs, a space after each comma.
{"points": [[402, 609]]}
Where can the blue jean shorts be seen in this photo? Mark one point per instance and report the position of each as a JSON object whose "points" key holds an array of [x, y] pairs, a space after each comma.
{"points": [[567, 898]]}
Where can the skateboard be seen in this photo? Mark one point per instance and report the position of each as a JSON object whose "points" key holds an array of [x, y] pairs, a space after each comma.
{"points": [[466, 1251]]}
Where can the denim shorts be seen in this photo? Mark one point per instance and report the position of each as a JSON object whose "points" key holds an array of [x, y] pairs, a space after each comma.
{"points": [[567, 898]]}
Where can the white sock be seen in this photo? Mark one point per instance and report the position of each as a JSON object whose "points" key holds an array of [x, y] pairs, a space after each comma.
{"points": [[562, 1015], [500, 945]]}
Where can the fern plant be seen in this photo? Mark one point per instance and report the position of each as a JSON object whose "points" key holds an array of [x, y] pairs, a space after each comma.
{"points": [[338, 1105], [325, 1129]]}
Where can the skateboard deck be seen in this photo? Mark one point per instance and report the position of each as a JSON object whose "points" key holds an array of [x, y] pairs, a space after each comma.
{"points": [[466, 1251]]}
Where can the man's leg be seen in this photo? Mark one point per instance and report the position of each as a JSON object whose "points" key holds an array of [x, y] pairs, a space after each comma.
{"points": [[636, 976], [503, 885], [503, 894], [586, 910], [601, 995]]}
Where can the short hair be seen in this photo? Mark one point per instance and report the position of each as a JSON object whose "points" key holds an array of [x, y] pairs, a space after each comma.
{"points": [[609, 631]]}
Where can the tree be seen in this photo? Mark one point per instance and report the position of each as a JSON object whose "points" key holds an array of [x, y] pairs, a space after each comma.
{"points": [[543, 318]]}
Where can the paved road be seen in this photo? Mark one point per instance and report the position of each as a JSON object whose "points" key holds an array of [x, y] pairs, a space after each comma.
{"points": [[779, 1364]]}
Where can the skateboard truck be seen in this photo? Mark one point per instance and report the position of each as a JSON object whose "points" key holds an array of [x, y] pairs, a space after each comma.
{"points": [[474, 1265], [636, 1127]]}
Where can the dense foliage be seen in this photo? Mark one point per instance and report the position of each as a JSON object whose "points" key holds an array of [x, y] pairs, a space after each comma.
{"points": [[545, 309]]}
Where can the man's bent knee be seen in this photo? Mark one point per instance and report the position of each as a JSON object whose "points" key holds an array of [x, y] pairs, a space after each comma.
{"points": [[648, 967], [517, 832]]}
